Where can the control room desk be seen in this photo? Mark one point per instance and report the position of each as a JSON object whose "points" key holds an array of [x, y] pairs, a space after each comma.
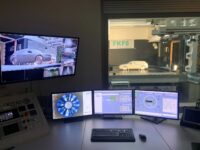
{"points": [[76, 136]]}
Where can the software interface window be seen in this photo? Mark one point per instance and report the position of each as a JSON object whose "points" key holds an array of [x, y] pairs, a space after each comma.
{"points": [[156, 103], [73, 104], [113, 102]]}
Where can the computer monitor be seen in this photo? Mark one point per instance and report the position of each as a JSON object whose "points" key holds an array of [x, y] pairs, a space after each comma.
{"points": [[156, 104], [72, 104], [35, 57], [113, 102]]}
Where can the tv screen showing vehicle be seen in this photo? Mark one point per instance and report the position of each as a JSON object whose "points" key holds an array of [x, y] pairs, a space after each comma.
{"points": [[72, 104], [157, 104], [113, 102], [33, 57]]}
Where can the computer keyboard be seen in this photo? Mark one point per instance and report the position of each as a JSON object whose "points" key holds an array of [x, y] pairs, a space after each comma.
{"points": [[112, 135]]}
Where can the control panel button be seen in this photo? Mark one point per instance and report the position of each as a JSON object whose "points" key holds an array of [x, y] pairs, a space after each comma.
{"points": [[30, 106], [21, 108], [26, 100], [33, 112], [26, 114]]}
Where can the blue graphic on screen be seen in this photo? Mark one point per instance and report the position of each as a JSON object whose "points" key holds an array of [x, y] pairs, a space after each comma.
{"points": [[68, 105], [113, 102], [155, 103]]}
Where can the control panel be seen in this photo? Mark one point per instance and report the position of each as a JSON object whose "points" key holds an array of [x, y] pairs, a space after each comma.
{"points": [[21, 119]]}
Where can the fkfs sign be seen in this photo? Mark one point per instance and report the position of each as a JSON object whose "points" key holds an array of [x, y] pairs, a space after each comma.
{"points": [[121, 44]]}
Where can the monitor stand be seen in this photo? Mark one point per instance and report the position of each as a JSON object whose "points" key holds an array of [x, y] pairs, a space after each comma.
{"points": [[112, 117], [155, 120], [73, 119]]}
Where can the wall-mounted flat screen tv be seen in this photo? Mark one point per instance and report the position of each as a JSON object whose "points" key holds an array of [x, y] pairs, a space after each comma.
{"points": [[35, 57]]}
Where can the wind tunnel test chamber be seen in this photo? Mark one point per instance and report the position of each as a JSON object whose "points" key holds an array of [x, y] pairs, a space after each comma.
{"points": [[154, 50]]}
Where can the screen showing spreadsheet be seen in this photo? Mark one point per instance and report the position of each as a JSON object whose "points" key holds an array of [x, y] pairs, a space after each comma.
{"points": [[113, 102]]}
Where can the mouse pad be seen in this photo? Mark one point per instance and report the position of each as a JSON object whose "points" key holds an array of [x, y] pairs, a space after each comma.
{"points": [[195, 146]]}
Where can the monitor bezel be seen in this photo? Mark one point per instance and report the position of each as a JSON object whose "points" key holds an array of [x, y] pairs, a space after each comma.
{"points": [[113, 114], [44, 78], [74, 117], [158, 116], [184, 115]]}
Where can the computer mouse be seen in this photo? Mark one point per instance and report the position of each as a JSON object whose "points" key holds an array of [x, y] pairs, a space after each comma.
{"points": [[142, 137]]}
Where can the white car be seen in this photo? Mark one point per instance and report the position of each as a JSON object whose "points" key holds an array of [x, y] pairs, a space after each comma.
{"points": [[134, 65], [25, 56]]}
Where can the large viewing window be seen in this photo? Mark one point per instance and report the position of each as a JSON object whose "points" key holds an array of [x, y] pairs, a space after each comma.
{"points": [[154, 48]]}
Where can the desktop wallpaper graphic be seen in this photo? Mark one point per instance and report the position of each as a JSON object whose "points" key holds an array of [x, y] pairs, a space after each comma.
{"points": [[66, 105]]}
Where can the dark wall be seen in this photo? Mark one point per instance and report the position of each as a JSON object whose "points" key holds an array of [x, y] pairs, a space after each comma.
{"points": [[143, 51], [79, 18]]}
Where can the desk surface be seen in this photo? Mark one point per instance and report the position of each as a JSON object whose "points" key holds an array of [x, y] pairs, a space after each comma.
{"points": [[76, 136]]}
